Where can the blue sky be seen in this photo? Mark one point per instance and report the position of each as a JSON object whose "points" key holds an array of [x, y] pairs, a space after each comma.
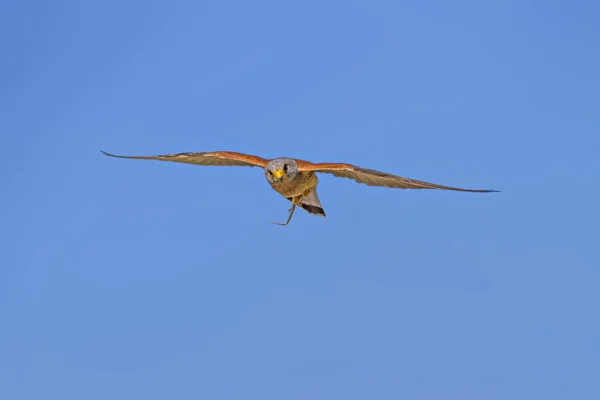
{"points": [[129, 279]]}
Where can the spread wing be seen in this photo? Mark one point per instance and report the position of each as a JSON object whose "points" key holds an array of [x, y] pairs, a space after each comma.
{"points": [[217, 158], [376, 178]]}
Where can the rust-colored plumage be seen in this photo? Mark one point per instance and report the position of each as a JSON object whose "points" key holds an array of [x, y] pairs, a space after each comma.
{"points": [[296, 179], [372, 177], [215, 158]]}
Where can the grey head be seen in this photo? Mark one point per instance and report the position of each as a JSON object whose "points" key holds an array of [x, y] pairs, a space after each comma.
{"points": [[281, 170]]}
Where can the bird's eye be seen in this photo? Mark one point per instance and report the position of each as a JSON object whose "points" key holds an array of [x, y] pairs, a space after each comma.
{"points": [[285, 168], [270, 172]]}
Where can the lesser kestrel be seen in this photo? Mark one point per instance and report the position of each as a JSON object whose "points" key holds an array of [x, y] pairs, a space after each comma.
{"points": [[296, 180]]}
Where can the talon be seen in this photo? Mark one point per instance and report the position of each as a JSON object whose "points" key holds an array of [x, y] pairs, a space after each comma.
{"points": [[291, 211]]}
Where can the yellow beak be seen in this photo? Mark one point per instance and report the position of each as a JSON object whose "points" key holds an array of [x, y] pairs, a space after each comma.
{"points": [[278, 174]]}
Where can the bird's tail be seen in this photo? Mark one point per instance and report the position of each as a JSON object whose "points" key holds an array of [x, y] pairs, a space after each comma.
{"points": [[310, 202]]}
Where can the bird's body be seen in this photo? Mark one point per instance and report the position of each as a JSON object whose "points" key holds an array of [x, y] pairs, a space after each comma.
{"points": [[296, 180], [297, 186]]}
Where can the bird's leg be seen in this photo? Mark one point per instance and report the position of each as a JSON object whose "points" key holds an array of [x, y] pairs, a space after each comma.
{"points": [[289, 217], [295, 202]]}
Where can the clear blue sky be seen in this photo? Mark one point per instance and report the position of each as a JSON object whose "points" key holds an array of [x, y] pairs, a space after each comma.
{"points": [[127, 279]]}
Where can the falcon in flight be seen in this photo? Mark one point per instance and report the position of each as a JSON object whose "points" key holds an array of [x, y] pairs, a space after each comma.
{"points": [[296, 180]]}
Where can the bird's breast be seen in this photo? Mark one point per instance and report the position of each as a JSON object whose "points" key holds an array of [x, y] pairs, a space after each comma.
{"points": [[296, 186]]}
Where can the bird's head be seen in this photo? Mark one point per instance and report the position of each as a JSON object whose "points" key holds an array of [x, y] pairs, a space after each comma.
{"points": [[281, 170]]}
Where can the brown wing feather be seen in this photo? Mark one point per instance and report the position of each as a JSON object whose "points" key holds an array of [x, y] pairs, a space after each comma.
{"points": [[217, 158], [376, 178]]}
